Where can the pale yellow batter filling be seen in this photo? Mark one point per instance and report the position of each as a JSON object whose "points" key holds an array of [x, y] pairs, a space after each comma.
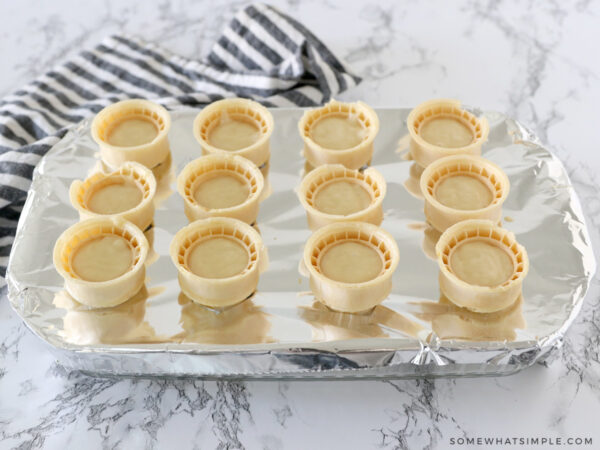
{"points": [[463, 192], [221, 190], [102, 259], [337, 132], [132, 132], [351, 262], [482, 264], [446, 132], [118, 196], [217, 257], [342, 198], [234, 134]]}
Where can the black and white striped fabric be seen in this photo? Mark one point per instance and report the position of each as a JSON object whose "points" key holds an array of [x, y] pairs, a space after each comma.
{"points": [[262, 54]]}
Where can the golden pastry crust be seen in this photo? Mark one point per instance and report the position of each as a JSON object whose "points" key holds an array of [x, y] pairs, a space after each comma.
{"points": [[247, 111], [347, 296], [354, 157], [440, 215], [477, 297], [369, 181], [101, 294], [82, 192], [212, 289], [219, 164], [424, 152], [149, 154]]}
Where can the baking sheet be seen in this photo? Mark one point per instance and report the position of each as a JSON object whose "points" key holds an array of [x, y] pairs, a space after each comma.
{"points": [[281, 331]]}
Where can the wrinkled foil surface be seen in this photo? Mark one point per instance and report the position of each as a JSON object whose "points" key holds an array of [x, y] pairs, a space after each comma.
{"points": [[282, 331]]}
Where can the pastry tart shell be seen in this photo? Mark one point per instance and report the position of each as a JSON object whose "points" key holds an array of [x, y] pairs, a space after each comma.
{"points": [[483, 299], [351, 297], [240, 168], [141, 215], [101, 294], [150, 154], [371, 180], [259, 152], [218, 292], [352, 158], [441, 216], [425, 153]]}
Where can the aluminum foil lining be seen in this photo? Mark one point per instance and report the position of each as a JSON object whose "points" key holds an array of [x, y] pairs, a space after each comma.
{"points": [[282, 331]]}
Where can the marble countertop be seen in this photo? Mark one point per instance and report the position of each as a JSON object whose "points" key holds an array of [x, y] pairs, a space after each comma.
{"points": [[530, 60]]}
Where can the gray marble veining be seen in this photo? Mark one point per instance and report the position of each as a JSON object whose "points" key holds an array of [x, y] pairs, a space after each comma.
{"points": [[529, 59]]}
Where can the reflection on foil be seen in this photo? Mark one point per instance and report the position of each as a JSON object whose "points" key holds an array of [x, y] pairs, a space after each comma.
{"points": [[449, 321], [308, 167], [120, 324], [329, 325], [165, 179], [412, 183], [431, 236], [152, 255], [244, 323], [162, 169], [403, 147], [267, 190]]}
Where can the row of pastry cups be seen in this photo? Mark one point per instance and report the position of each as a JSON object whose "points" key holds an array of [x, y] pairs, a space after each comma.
{"points": [[422, 151], [194, 173], [441, 216], [313, 184], [459, 226], [462, 226], [226, 291], [360, 297], [207, 290], [344, 296], [206, 168], [153, 153]]}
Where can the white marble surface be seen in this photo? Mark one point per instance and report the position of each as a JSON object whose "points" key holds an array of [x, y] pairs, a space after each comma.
{"points": [[533, 60]]}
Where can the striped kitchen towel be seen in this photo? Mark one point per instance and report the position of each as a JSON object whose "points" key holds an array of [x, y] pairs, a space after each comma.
{"points": [[262, 54]]}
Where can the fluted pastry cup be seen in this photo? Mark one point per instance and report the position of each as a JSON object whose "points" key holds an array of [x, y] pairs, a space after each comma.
{"points": [[151, 153], [141, 215], [343, 296], [207, 168], [476, 297], [242, 109], [423, 152], [354, 157], [101, 294], [212, 291], [370, 181], [442, 216]]}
